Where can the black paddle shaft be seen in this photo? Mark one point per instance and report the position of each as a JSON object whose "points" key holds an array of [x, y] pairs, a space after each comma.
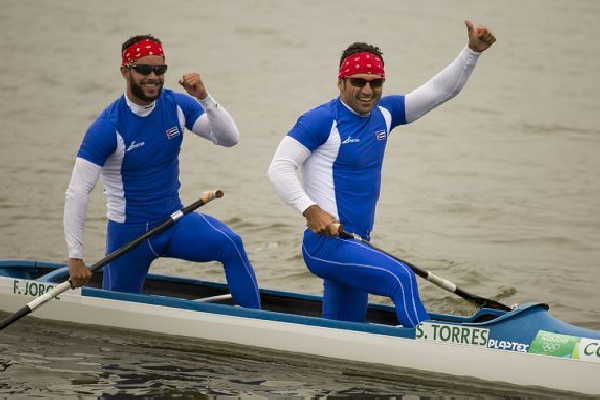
{"points": [[481, 302], [208, 196], [38, 301]]}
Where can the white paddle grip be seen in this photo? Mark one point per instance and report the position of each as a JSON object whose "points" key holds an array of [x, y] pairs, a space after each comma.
{"points": [[38, 301], [441, 282]]}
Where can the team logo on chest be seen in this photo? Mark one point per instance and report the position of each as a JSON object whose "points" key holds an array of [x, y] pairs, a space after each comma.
{"points": [[172, 132], [380, 135]]}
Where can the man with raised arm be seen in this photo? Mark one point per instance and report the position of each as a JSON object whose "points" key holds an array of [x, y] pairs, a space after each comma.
{"points": [[134, 145], [340, 147]]}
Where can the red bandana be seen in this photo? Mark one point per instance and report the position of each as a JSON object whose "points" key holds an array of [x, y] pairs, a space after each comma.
{"points": [[145, 47], [361, 63]]}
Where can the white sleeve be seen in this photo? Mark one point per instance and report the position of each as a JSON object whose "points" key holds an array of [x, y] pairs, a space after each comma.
{"points": [[289, 156], [216, 124], [442, 87], [84, 178]]}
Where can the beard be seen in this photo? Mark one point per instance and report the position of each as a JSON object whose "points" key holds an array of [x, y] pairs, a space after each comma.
{"points": [[138, 92]]}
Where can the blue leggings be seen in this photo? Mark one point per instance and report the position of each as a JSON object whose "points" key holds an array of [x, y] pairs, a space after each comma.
{"points": [[195, 237], [351, 270]]}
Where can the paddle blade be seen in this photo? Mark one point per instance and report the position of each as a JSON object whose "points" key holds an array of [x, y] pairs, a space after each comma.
{"points": [[16, 316]]}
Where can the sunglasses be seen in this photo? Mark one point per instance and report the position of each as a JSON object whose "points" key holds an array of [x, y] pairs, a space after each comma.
{"points": [[146, 69], [360, 82]]}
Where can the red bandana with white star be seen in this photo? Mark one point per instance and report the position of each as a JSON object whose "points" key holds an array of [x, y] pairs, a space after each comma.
{"points": [[361, 63], [145, 47]]}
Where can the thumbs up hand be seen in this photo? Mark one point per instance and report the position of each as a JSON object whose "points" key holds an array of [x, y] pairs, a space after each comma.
{"points": [[480, 37]]}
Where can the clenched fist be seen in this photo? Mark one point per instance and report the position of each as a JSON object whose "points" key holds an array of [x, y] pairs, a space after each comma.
{"points": [[193, 84]]}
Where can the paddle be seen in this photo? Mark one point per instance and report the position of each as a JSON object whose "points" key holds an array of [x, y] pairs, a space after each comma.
{"points": [[431, 277], [63, 287]]}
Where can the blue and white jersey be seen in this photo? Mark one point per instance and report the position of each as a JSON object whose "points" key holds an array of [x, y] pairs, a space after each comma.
{"points": [[343, 173], [139, 155], [340, 153]]}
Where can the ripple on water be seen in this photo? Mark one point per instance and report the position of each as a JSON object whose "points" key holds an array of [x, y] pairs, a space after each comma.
{"points": [[125, 364], [551, 130]]}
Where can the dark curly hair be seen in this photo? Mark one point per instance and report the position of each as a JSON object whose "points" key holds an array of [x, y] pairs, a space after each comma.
{"points": [[359, 47], [137, 38]]}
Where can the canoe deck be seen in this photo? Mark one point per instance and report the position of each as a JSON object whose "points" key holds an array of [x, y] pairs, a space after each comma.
{"points": [[181, 288]]}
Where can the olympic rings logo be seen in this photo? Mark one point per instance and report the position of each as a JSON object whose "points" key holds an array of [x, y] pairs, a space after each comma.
{"points": [[556, 339], [550, 347]]}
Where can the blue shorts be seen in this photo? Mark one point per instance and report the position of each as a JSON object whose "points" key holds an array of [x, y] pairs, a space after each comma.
{"points": [[195, 237], [351, 270]]}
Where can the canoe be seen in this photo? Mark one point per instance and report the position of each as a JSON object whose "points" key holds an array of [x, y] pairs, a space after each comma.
{"points": [[526, 346]]}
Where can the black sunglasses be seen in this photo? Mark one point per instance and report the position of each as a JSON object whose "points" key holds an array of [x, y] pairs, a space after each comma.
{"points": [[360, 82], [146, 69]]}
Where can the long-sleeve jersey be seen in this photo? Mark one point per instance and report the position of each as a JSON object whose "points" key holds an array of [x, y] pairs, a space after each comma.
{"points": [[136, 151], [341, 152]]}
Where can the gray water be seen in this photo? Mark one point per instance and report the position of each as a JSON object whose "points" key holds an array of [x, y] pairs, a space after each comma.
{"points": [[497, 190]]}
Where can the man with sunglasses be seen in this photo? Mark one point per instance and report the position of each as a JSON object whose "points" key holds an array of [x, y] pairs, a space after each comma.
{"points": [[340, 146], [134, 144]]}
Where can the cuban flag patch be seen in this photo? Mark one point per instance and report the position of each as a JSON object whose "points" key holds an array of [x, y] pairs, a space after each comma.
{"points": [[380, 135], [172, 132]]}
